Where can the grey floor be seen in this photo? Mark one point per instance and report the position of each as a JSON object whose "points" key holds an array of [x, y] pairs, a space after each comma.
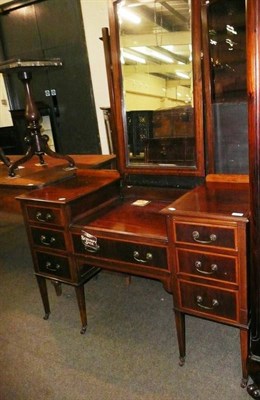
{"points": [[129, 351]]}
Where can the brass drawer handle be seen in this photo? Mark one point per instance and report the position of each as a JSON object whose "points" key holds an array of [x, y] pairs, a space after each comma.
{"points": [[92, 249], [199, 301], [54, 268], [44, 218], [148, 257], [45, 241], [213, 268], [196, 235]]}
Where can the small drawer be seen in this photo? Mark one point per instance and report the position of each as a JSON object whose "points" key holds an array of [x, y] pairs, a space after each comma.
{"points": [[211, 302], [141, 254], [48, 238], [203, 235], [207, 265], [44, 215], [53, 265]]}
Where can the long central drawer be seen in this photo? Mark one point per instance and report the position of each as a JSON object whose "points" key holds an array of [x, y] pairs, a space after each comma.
{"points": [[137, 253]]}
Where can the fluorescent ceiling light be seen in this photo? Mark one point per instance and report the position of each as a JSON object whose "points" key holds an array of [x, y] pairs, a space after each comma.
{"points": [[153, 53], [125, 14], [133, 57], [182, 75]]}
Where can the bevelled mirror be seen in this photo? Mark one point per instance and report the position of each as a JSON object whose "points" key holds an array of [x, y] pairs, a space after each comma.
{"points": [[156, 75]]}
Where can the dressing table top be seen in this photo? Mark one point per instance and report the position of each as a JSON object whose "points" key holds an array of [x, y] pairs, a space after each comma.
{"points": [[214, 199]]}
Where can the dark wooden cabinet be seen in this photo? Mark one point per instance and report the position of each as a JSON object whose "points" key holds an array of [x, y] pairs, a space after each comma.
{"points": [[48, 213], [170, 150], [200, 241], [194, 242], [125, 240], [208, 234]]}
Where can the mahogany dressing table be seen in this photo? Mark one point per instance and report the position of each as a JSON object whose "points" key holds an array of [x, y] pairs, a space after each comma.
{"points": [[194, 242], [161, 220]]}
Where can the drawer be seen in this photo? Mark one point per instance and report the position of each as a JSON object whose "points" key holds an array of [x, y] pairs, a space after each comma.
{"points": [[145, 255], [44, 215], [206, 235], [208, 301], [207, 265], [48, 238], [50, 264]]}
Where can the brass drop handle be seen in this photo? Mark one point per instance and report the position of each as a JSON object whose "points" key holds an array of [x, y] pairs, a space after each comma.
{"points": [[148, 257], [199, 300], [213, 268], [92, 249], [54, 268], [44, 218], [196, 237], [46, 242]]}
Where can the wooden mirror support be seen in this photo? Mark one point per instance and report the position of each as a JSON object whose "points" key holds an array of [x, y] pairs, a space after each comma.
{"points": [[160, 155]]}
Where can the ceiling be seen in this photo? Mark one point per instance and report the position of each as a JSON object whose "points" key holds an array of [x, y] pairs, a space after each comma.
{"points": [[164, 29]]}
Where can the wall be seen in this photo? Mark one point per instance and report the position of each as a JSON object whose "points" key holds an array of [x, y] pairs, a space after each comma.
{"points": [[5, 116]]}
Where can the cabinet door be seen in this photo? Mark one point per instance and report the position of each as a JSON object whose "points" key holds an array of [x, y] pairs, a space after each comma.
{"points": [[54, 28], [225, 64]]}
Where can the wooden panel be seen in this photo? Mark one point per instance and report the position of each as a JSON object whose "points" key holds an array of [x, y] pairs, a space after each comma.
{"points": [[211, 302], [44, 215], [60, 12], [201, 235], [179, 151], [207, 265], [124, 251], [48, 238], [53, 265]]}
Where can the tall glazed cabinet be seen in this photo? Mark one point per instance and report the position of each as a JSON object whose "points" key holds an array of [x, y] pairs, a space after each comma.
{"points": [[253, 32]]}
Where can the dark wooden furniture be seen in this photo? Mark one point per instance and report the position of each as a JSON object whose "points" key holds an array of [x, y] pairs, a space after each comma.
{"points": [[9, 142], [40, 34], [34, 175], [86, 223], [179, 151], [38, 143], [48, 213], [191, 22], [139, 128], [208, 230], [122, 238], [193, 241], [198, 235]]}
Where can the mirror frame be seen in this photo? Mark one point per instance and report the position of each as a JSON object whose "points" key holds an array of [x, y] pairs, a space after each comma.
{"points": [[119, 107]]}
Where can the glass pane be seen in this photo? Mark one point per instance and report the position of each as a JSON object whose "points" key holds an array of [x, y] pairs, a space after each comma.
{"points": [[227, 45], [227, 37], [156, 59]]}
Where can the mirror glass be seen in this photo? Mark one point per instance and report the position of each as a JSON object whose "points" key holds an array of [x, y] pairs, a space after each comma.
{"points": [[157, 77]]}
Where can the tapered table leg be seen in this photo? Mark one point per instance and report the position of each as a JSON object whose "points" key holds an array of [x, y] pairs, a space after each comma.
{"points": [[44, 295], [180, 327], [80, 294]]}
